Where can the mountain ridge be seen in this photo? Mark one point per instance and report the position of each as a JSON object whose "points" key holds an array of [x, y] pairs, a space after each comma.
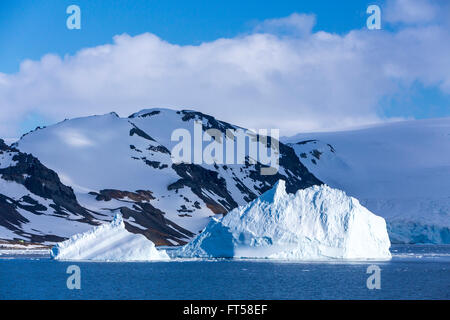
{"points": [[124, 165]]}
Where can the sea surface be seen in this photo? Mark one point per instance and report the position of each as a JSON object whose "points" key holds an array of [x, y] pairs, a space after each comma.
{"points": [[415, 272]]}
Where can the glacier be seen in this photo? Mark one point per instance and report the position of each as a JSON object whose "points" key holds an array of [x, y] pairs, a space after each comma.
{"points": [[399, 170], [108, 242], [317, 223]]}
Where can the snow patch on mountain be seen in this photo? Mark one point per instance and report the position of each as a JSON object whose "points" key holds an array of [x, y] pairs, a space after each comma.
{"points": [[317, 223], [6, 159], [108, 242]]}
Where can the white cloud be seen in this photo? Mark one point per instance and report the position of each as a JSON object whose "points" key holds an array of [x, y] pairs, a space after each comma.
{"points": [[411, 11], [293, 25], [303, 81]]}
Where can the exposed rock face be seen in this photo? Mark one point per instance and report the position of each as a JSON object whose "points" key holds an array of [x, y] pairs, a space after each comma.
{"points": [[153, 224], [198, 179], [159, 229], [138, 196]]}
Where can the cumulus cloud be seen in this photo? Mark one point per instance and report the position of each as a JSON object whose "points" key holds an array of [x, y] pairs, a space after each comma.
{"points": [[305, 80]]}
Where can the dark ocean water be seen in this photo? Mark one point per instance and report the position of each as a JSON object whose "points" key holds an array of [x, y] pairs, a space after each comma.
{"points": [[415, 272]]}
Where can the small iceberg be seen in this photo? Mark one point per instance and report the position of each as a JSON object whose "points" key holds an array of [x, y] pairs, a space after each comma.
{"points": [[318, 223], [108, 242]]}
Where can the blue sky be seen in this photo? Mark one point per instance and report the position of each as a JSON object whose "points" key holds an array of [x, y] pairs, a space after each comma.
{"points": [[31, 30]]}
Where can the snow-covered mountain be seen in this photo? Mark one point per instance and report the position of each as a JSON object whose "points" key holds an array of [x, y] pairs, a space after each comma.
{"points": [[400, 171], [124, 165]]}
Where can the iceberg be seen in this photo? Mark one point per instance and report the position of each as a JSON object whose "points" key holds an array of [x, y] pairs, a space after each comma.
{"points": [[318, 223], [108, 242]]}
